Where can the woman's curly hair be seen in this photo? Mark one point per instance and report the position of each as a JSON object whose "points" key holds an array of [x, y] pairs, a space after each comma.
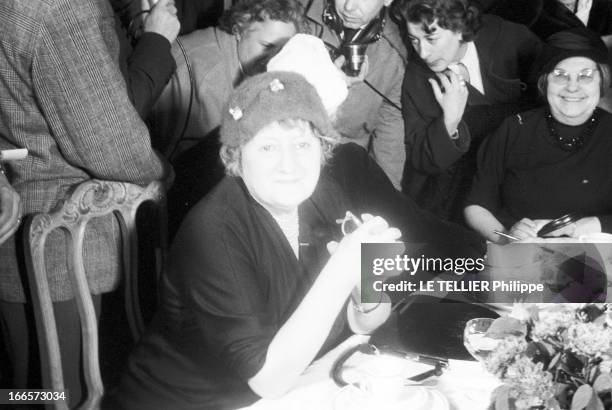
{"points": [[458, 16], [231, 157], [245, 12]]}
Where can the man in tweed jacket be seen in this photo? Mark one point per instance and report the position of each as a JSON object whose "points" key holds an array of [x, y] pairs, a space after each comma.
{"points": [[365, 117], [63, 98]]}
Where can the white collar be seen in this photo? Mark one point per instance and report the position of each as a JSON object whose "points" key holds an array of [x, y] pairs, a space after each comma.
{"points": [[471, 61]]}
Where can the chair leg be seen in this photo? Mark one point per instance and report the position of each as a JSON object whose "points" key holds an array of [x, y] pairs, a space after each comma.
{"points": [[130, 269], [46, 328], [89, 325]]}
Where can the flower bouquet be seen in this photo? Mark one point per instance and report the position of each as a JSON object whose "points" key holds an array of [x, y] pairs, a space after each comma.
{"points": [[553, 357]]}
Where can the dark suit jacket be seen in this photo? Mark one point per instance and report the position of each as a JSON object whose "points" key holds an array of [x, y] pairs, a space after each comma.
{"points": [[433, 175], [556, 17]]}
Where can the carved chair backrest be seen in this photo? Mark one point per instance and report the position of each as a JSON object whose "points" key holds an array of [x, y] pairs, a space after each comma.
{"points": [[91, 199]]}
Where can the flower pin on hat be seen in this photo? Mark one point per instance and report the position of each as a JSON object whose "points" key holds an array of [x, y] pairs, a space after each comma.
{"points": [[276, 85], [236, 113]]}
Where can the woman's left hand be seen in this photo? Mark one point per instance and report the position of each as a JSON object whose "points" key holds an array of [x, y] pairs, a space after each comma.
{"points": [[583, 226], [527, 228]]}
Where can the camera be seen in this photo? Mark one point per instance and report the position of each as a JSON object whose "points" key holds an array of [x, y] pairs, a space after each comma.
{"points": [[355, 57]]}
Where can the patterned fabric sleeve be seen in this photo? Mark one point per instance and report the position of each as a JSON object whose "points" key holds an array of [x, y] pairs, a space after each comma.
{"points": [[83, 96]]}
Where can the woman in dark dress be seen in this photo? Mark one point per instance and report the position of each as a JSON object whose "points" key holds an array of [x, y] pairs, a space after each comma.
{"points": [[548, 162], [252, 294]]}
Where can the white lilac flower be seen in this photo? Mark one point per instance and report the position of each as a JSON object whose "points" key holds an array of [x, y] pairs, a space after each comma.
{"points": [[506, 352], [523, 311], [529, 383], [589, 339], [552, 321]]}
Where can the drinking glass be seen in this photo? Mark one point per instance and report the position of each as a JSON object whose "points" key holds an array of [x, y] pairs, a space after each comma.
{"points": [[475, 338]]}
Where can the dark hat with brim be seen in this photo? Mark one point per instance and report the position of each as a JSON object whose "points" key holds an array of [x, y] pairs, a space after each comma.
{"points": [[574, 42]]}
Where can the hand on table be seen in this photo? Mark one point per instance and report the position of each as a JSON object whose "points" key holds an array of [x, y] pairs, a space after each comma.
{"points": [[526, 228]]}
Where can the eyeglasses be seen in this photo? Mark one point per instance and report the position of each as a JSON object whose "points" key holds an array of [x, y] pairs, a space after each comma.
{"points": [[562, 77]]}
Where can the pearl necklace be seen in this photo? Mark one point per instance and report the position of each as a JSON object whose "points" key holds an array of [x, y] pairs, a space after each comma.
{"points": [[290, 226], [575, 143]]}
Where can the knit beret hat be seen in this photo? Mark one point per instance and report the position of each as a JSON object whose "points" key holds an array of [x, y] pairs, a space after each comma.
{"points": [[269, 97], [574, 42]]}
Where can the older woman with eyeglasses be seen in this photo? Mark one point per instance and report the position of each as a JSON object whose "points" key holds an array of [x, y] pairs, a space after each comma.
{"points": [[555, 160]]}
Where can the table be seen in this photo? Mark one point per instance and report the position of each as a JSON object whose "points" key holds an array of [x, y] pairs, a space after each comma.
{"points": [[465, 384]]}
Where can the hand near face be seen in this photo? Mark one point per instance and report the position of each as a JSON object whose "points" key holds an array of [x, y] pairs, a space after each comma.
{"points": [[452, 94], [162, 19], [583, 9], [10, 211]]}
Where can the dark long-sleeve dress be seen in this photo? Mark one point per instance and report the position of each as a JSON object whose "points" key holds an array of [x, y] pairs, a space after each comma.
{"points": [[523, 173], [234, 281], [438, 169]]}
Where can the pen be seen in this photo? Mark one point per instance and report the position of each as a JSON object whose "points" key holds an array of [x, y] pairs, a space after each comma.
{"points": [[505, 235]]}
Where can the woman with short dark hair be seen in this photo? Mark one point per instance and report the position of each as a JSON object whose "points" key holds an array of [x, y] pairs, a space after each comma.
{"points": [[469, 72]]}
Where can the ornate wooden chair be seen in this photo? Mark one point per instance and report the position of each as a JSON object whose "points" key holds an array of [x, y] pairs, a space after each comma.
{"points": [[91, 199]]}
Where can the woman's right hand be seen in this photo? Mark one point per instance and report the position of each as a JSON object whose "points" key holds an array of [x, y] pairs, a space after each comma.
{"points": [[347, 252], [452, 95]]}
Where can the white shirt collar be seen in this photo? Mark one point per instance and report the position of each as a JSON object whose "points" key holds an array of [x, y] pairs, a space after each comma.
{"points": [[471, 61]]}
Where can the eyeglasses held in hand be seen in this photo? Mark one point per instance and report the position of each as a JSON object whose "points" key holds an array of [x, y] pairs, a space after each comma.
{"points": [[349, 223]]}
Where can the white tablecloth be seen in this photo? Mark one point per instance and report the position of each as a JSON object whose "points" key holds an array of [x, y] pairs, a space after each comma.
{"points": [[465, 384]]}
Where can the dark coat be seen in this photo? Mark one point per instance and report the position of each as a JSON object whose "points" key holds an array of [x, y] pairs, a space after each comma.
{"points": [[556, 17], [434, 176], [233, 281]]}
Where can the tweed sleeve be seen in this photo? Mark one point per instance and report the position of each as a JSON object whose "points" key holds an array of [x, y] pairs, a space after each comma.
{"points": [[83, 96], [389, 146]]}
